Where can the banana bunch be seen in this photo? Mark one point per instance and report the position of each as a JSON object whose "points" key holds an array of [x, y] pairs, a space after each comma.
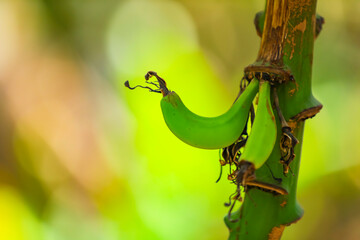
{"points": [[226, 129]]}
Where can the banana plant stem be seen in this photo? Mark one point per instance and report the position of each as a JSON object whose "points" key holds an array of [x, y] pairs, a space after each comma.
{"points": [[288, 30]]}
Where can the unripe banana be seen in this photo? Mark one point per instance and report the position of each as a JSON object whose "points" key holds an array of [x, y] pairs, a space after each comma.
{"points": [[204, 132], [263, 133]]}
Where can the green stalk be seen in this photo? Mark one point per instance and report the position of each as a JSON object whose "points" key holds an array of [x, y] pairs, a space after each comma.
{"points": [[288, 34]]}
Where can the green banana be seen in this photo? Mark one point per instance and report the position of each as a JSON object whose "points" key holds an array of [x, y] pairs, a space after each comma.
{"points": [[263, 133], [204, 132]]}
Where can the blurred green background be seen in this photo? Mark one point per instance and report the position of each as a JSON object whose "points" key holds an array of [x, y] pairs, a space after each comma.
{"points": [[81, 157]]}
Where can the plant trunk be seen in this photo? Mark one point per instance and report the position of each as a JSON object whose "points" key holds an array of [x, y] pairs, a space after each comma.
{"points": [[288, 30]]}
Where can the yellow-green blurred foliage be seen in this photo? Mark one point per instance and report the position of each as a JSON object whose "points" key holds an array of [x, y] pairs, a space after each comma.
{"points": [[81, 157]]}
